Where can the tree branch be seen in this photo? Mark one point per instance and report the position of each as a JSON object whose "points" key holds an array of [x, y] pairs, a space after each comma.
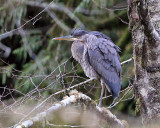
{"points": [[79, 98], [126, 61]]}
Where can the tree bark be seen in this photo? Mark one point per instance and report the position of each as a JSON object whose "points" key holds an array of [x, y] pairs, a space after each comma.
{"points": [[144, 17]]}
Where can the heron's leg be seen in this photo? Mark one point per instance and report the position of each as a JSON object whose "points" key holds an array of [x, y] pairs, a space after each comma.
{"points": [[102, 92], [110, 106], [105, 92]]}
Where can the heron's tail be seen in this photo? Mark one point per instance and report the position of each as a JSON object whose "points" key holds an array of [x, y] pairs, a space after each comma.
{"points": [[113, 87]]}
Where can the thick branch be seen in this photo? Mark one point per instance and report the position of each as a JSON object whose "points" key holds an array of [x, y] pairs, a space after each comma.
{"points": [[79, 98]]}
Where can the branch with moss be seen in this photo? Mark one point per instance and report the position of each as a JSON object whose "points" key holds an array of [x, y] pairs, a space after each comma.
{"points": [[81, 99]]}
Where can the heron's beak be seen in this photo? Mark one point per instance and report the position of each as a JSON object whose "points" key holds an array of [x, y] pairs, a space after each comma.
{"points": [[68, 38]]}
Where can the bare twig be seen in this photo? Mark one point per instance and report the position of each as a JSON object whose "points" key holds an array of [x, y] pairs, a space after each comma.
{"points": [[71, 126], [54, 95], [29, 50], [59, 23], [9, 32], [58, 7], [121, 98], [113, 8], [126, 61]]}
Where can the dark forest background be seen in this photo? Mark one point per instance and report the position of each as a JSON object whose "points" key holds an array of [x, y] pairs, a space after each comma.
{"points": [[33, 66]]}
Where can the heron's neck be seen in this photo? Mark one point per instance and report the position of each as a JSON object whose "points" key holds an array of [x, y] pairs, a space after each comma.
{"points": [[77, 50]]}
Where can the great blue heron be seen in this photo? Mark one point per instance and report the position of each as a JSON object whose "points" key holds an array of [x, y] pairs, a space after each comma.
{"points": [[99, 58]]}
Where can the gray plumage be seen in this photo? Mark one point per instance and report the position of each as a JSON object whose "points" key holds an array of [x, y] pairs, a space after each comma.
{"points": [[99, 58]]}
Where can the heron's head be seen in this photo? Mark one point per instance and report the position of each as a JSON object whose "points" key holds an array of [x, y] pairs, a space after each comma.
{"points": [[76, 34]]}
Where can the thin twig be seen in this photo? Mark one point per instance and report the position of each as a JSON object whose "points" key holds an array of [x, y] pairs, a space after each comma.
{"points": [[126, 61], [59, 23], [58, 7], [71, 126], [120, 99], [4, 34]]}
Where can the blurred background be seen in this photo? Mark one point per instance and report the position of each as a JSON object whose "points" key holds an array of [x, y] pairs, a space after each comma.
{"points": [[33, 66]]}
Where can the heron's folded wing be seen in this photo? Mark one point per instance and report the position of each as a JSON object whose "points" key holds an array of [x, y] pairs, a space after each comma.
{"points": [[104, 59]]}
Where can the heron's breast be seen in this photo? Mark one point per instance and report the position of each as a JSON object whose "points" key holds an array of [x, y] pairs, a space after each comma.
{"points": [[78, 53], [77, 50]]}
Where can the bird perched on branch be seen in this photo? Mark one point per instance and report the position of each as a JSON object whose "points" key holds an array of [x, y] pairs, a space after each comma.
{"points": [[99, 58]]}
